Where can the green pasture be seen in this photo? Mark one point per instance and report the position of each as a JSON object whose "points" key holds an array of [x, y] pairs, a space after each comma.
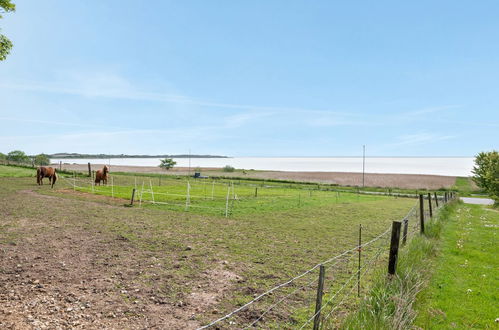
{"points": [[267, 239], [7, 171], [216, 197]]}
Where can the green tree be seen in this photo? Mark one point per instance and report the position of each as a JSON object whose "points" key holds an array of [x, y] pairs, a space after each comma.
{"points": [[167, 163], [3, 156], [42, 160], [18, 156], [486, 173], [5, 44]]}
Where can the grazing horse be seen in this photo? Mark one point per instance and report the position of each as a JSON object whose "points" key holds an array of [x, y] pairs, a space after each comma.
{"points": [[46, 172], [101, 175]]}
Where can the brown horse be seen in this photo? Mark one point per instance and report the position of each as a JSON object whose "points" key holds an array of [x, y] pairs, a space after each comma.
{"points": [[46, 172], [101, 175]]}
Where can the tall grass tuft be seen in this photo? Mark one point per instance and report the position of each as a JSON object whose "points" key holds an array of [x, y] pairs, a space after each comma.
{"points": [[389, 303]]}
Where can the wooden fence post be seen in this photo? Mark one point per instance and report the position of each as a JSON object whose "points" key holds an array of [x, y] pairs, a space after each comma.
{"points": [[318, 301], [256, 191], [89, 170], [436, 199], [404, 233], [421, 212], [133, 196], [394, 247], [429, 205], [60, 165], [445, 197]]}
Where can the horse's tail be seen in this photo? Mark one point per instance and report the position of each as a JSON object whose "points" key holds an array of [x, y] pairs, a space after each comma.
{"points": [[54, 178], [38, 170]]}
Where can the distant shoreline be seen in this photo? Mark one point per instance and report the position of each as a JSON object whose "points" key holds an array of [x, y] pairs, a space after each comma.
{"points": [[384, 180], [104, 156]]}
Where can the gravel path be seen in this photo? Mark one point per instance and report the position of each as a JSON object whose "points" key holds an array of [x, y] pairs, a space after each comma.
{"points": [[479, 201]]}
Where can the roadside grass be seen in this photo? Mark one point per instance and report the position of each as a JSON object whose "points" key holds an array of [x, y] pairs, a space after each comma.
{"points": [[466, 187], [463, 292], [263, 248], [389, 303]]}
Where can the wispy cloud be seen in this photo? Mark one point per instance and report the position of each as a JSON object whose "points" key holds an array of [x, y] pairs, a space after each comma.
{"points": [[332, 119], [428, 110], [114, 86], [242, 119], [420, 138], [57, 123]]}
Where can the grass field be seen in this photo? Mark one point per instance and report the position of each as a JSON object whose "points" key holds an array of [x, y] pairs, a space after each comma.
{"points": [[466, 186], [219, 197], [16, 172], [161, 266], [463, 292]]}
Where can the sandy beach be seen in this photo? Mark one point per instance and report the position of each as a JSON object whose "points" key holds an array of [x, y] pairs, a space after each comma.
{"points": [[409, 181]]}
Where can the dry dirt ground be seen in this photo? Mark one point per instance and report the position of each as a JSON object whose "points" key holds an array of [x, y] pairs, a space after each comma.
{"points": [[406, 181], [58, 270]]}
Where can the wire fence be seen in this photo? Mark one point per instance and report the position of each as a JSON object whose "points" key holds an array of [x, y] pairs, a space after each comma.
{"points": [[211, 196], [327, 291]]}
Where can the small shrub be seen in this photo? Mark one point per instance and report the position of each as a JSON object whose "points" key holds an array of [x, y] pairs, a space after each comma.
{"points": [[228, 168]]}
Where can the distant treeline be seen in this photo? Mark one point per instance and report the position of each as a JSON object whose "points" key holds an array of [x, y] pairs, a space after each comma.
{"points": [[96, 156]]}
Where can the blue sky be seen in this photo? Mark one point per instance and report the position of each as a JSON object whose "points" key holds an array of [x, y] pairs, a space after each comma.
{"points": [[252, 78]]}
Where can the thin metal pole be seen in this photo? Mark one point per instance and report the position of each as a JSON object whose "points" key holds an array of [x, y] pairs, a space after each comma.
{"points": [[363, 163], [212, 189], [112, 187], [188, 197], [360, 251], [152, 191], [141, 193], [189, 162], [227, 202]]}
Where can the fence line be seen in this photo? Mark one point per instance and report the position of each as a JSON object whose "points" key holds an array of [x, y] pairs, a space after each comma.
{"points": [[370, 261], [411, 219], [295, 278]]}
